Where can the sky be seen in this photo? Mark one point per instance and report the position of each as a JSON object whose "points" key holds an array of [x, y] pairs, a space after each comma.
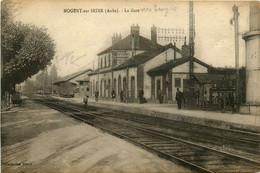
{"points": [[79, 37]]}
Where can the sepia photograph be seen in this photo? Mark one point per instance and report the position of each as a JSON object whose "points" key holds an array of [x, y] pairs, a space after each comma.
{"points": [[130, 86]]}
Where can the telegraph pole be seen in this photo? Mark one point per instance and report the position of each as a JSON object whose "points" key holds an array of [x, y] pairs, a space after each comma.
{"points": [[191, 36], [236, 14]]}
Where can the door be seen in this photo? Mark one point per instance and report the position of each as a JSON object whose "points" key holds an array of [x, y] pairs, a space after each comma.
{"points": [[105, 87], [124, 86], [109, 88], [114, 85], [119, 85], [101, 88], [158, 85]]}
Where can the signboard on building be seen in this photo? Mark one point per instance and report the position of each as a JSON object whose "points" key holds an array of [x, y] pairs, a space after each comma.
{"points": [[119, 56]]}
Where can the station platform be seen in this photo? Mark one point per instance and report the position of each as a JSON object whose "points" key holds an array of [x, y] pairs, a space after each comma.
{"points": [[38, 139], [245, 122]]}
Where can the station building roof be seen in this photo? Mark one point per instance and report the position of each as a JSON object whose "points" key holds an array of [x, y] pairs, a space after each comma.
{"points": [[137, 60], [144, 57], [69, 77], [164, 68], [208, 78], [126, 44]]}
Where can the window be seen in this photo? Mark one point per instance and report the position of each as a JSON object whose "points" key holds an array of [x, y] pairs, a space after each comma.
{"points": [[115, 61], [177, 82], [105, 61], [101, 62], [109, 61]]}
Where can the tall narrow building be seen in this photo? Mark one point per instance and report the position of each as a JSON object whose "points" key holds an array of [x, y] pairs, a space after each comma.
{"points": [[252, 39]]}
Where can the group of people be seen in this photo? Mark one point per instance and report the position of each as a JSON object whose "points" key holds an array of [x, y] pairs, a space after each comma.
{"points": [[122, 95], [113, 95], [179, 96]]}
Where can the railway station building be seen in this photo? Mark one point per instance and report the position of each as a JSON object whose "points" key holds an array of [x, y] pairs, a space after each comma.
{"points": [[135, 63], [124, 65]]}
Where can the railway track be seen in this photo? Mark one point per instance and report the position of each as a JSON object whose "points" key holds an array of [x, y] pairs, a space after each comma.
{"points": [[189, 154], [238, 142], [243, 141]]}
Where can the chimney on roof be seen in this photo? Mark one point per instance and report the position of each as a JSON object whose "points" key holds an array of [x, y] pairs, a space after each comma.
{"points": [[154, 34], [135, 34], [185, 50], [116, 38]]}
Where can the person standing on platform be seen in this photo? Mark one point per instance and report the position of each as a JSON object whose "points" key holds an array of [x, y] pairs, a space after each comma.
{"points": [[85, 99], [141, 95], [121, 96], [179, 97], [113, 93], [160, 94], [96, 95]]}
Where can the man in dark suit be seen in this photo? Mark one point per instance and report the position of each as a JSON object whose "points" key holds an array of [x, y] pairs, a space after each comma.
{"points": [[179, 97], [96, 95], [141, 95], [113, 93]]}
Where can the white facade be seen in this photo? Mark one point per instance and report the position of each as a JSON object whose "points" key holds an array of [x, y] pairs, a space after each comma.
{"points": [[178, 75], [181, 72], [118, 84], [156, 61]]}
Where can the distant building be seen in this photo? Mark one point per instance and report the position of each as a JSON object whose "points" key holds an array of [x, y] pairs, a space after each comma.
{"points": [[73, 84]]}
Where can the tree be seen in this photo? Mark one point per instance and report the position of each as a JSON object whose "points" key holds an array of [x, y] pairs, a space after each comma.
{"points": [[26, 49], [53, 77], [42, 81], [28, 87], [53, 73]]}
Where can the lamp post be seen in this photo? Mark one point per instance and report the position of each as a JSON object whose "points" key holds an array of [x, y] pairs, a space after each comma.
{"points": [[235, 19]]}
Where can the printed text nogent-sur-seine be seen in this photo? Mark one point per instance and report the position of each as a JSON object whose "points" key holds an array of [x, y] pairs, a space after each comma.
{"points": [[155, 8]]}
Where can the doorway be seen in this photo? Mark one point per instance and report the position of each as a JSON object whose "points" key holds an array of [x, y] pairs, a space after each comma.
{"points": [[119, 85], [158, 86], [132, 87], [124, 86]]}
